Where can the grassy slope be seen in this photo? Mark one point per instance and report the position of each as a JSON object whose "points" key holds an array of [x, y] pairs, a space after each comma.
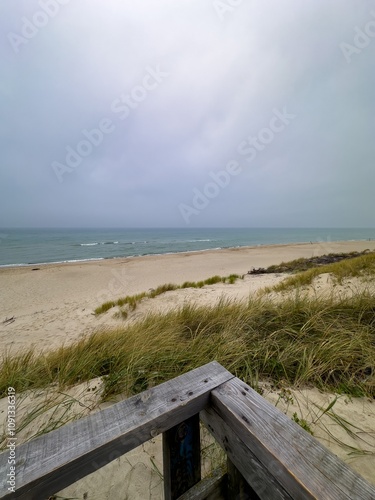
{"points": [[303, 264], [363, 266], [328, 343], [133, 300]]}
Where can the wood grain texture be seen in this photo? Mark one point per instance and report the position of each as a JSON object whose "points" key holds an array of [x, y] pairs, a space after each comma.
{"points": [[254, 472], [210, 488], [238, 487], [52, 462], [304, 467]]}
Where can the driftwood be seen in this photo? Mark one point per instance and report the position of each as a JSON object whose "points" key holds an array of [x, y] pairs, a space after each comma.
{"points": [[8, 321]]}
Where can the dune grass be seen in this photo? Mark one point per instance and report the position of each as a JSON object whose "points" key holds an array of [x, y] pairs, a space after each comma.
{"points": [[133, 300], [325, 342], [362, 266], [305, 263]]}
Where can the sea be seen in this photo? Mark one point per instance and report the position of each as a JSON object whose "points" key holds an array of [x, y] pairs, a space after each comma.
{"points": [[20, 247]]}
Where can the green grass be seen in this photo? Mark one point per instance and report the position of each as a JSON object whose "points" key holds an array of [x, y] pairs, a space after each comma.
{"points": [[133, 300], [325, 342], [106, 306], [213, 280], [302, 422], [130, 300], [168, 287], [363, 266], [231, 279]]}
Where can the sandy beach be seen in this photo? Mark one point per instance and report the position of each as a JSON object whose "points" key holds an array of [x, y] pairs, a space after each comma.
{"points": [[53, 305]]}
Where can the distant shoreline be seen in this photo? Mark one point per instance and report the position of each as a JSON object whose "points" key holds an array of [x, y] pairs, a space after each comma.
{"points": [[182, 252], [25, 248]]}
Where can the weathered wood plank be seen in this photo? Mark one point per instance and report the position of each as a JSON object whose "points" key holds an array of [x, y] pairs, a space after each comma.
{"points": [[238, 488], [263, 483], [181, 457], [304, 467], [52, 462], [210, 488]]}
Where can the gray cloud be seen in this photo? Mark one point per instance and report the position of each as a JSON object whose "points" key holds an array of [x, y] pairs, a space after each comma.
{"points": [[225, 77]]}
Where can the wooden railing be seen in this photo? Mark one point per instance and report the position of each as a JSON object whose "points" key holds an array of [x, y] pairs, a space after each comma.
{"points": [[269, 456]]}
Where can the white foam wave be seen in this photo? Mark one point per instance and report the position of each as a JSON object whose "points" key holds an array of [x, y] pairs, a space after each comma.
{"points": [[98, 243]]}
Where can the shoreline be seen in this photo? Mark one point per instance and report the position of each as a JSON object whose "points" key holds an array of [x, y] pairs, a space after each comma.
{"points": [[183, 252]]}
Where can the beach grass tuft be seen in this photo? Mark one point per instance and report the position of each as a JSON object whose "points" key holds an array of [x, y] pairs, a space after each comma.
{"points": [[133, 300], [105, 307], [168, 287], [232, 278]]}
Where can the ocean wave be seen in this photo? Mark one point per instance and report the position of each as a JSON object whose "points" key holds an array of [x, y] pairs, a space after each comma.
{"points": [[193, 241], [111, 243], [49, 263], [135, 242], [98, 243], [177, 252], [15, 265], [74, 260]]}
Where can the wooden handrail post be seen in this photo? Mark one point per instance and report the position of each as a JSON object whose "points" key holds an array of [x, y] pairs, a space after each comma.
{"points": [[181, 457], [238, 488]]}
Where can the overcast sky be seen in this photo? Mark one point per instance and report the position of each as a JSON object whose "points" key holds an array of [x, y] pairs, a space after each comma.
{"points": [[278, 93]]}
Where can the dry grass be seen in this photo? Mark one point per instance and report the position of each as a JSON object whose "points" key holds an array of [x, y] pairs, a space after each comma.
{"points": [[327, 342], [363, 267], [133, 300]]}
